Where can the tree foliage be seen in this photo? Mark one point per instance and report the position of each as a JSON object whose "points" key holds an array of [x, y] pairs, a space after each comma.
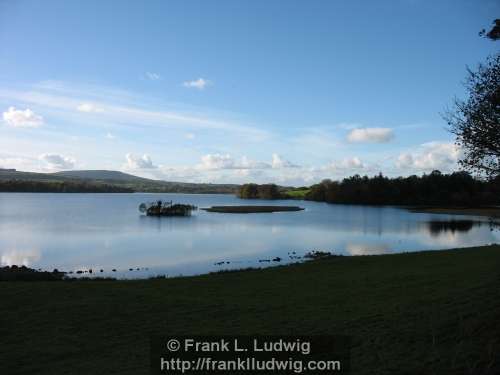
{"points": [[456, 189], [254, 191], [476, 121], [436, 188], [494, 33], [59, 187]]}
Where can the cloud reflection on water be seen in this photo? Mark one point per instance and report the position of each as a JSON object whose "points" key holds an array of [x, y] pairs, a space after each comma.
{"points": [[106, 231], [367, 249], [18, 257]]}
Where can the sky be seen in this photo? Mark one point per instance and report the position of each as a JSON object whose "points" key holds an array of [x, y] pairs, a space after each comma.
{"points": [[289, 92]]}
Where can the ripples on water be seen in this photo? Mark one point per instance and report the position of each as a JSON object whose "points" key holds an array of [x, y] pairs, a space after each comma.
{"points": [[106, 231]]}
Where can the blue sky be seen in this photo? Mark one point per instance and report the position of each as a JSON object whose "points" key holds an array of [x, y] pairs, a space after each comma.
{"points": [[233, 91]]}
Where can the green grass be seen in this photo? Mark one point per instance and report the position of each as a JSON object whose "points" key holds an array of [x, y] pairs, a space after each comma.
{"points": [[297, 193], [418, 313]]}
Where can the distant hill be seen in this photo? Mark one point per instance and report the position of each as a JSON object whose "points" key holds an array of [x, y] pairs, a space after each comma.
{"points": [[9, 174], [100, 175], [119, 180]]}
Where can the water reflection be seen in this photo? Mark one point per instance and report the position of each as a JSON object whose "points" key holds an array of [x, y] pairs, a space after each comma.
{"points": [[24, 257], [367, 249], [437, 227], [105, 231]]}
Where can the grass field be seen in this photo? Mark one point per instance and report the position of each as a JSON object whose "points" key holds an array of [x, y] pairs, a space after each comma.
{"points": [[297, 193], [415, 313]]}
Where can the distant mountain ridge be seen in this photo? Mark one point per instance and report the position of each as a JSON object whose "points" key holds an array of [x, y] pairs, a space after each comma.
{"points": [[101, 174], [119, 179]]}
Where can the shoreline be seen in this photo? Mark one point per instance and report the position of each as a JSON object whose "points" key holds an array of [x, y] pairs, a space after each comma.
{"points": [[16, 273]]}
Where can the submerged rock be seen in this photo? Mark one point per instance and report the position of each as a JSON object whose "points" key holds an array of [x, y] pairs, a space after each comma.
{"points": [[318, 254]]}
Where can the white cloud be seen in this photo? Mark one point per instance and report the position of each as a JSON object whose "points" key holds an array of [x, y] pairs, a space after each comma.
{"points": [[57, 162], [155, 124], [347, 164], [127, 109], [247, 163], [89, 108], [226, 161], [224, 168], [354, 162], [405, 160], [278, 162], [430, 156], [199, 83], [217, 161], [153, 76], [139, 162], [22, 119], [370, 135]]}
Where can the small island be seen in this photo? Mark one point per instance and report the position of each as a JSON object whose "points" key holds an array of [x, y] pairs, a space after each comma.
{"points": [[161, 208], [251, 209]]}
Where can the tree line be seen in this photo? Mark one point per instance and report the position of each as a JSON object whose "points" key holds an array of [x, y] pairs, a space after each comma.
{"points": [[436, 188], [255, 191], [100, 186], [26, 186], [457, 189]]}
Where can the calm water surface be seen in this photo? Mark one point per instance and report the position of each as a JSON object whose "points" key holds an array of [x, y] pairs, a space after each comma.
{"points": [[106, 231]]}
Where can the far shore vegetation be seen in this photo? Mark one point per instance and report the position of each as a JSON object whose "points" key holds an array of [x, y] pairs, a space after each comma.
{"points": [[23, 273], [433, 312], [100, 181], [458, 190], [60, 187], [434, 189]]}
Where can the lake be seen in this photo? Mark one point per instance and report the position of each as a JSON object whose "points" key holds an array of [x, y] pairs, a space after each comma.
{"points": [[74, 232]]}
